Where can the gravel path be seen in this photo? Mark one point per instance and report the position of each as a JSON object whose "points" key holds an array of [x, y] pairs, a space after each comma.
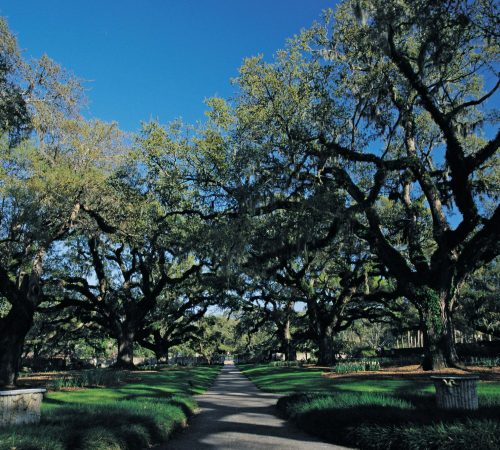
{"points": [[235, 415]]}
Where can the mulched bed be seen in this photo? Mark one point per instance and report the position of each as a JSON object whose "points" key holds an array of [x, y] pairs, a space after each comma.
{"points": [[415, 372]]}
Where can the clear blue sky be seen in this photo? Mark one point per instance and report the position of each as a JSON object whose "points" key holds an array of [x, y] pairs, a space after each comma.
{"points": [[155, 58]]}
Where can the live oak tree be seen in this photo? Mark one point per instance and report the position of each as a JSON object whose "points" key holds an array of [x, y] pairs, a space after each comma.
{"points": [[426, 95], [42, 198], [390, 103], [175, 319], [267, 302], [339, 287], [214, 338], [254, 344], [144, 270], [117, 284], [45, 179], [61, 337]]}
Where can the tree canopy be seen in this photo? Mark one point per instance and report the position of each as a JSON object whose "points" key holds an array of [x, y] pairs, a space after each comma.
{"points": [[356, 171]]}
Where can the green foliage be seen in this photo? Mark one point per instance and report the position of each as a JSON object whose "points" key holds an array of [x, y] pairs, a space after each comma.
{"points": [[373, 421], [481, 361], [378, 413], [285, 364], [356, 366], [215, 338], [478, 307], [14, 114], [139, 414], [479, 434], [87, 378], [299, 404]]}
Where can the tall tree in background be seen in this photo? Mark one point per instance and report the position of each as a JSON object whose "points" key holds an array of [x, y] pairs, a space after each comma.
{"points": [[117, 279], [174, 320], [339, 285]]}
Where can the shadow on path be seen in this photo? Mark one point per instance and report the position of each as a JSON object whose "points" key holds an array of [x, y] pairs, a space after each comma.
{"points": [[236, 415]]}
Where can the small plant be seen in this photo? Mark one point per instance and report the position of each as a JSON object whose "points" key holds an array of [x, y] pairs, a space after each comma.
{"points": [[356, 366], [286, 363], [87, 378], [482, 361]]}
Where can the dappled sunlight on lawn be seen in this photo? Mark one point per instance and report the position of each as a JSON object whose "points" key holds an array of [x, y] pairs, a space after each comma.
{"points": [[305, 379]]}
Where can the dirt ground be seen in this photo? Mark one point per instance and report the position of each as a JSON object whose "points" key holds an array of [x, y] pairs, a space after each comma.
{"points": [[415, 372]]}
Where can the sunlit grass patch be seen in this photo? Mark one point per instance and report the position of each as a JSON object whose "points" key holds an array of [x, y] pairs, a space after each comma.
{"points": [[379, 413], [136, 415]]}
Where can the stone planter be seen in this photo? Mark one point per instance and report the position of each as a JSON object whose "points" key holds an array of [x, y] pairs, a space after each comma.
{"points": [[20, 406], [456, 392]]}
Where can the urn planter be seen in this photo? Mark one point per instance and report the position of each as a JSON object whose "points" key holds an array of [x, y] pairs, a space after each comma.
{"points": [[456, 392], [20, 406]]}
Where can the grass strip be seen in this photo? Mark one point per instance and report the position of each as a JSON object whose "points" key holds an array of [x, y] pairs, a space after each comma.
{"points": [[139, 414]]}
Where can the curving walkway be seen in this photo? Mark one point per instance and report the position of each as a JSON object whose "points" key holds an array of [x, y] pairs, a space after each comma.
{"points": [[235, 415]]}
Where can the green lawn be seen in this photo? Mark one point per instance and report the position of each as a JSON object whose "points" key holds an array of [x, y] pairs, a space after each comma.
{"points": [[287, 380], [379, 413], [136, 415]]}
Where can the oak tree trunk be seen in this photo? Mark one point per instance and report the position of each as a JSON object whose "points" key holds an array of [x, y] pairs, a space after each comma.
{"points": [[13, 330], [287, 346], [326, 351], [125, 358], [438, 329], [15, 326], [161, 353]]}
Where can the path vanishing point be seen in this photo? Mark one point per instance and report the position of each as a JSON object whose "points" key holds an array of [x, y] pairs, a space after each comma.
{"points": [[235, 415]]}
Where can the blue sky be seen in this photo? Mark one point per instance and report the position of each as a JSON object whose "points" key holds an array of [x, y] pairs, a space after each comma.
{"points": [[155, 58]]}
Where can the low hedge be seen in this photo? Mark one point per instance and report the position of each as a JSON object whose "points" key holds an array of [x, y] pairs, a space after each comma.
{"points": [[376, 421]]}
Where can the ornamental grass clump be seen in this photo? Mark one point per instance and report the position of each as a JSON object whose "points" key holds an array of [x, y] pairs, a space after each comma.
{"points": [[87, 378], [356, 366]]}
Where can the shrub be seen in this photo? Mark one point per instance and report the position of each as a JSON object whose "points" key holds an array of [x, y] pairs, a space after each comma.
{"points": [[34, 438], [477, 434], [374, 421], [367, 353], [87, 378], [482, 361], [100, 438], [356, 366], [285, 363]]}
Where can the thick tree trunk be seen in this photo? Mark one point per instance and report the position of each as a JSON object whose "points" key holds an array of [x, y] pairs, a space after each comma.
{"points": [[290, 353], [161, 353], [326, 351], [439, 332], [15, 325], [287, 347], [13, 330], [125, 358]]}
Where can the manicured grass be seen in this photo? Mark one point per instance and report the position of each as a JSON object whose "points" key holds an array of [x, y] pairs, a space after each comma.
{"points": [[379, 413], [136, 415], [299, 379]]}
